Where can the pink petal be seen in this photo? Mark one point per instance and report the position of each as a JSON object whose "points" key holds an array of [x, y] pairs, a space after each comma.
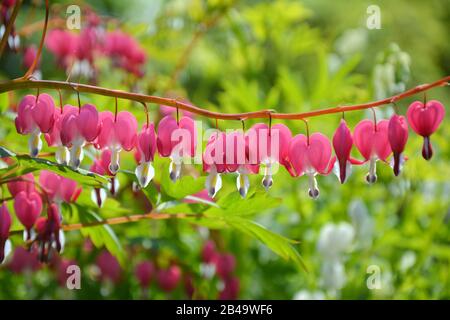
{"points": [[319, 152], [106, 135], [363, 135], [43, 112], [297, 152], [381, 141], [188, 124], [125, 129], [88, 122], [24, 120], [147, 142], [165, 128], [425, 120], [398, 133], [50, 183], [28, 207], [69, 129], [5, 223], [25, 183]]}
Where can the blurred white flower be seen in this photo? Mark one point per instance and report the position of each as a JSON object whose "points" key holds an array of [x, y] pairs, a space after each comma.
{"points": [[335, 239], [407, 261], [362, 222], [333, 275]]}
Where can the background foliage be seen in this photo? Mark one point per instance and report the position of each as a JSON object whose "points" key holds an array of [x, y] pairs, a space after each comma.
{"points": [[291, 56]]}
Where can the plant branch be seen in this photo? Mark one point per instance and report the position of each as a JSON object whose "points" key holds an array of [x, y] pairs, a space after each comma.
{"points": [[122, 220], [261, 114], [9, 26], [41, 44]]}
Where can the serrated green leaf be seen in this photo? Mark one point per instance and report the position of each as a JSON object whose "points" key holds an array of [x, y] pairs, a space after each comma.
{"points": [[233, 204], [183, 187], [277, 243], [101, 235]]}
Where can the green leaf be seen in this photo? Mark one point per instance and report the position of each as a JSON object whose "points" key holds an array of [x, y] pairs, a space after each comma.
{"points": [[277, 243], [233, 204], [27, 164], [4, 101], [102, 235], [183, 187]]}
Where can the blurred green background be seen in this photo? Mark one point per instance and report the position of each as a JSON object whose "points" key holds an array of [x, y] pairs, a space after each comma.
{"points": [[291, 56]]}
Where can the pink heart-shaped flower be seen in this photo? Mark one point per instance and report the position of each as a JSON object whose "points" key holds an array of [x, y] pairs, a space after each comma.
{"points": [[425, 119], [28, 207]]}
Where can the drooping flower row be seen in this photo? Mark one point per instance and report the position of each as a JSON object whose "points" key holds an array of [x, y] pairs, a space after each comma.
{"points": [[69, 129]]}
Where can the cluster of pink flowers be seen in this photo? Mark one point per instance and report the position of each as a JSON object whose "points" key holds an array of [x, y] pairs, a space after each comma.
{"points": [[29, 203], [81, 49], [69, 129]]}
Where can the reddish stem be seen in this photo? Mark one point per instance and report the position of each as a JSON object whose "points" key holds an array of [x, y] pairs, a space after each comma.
{"points": [[41, 45], [48, 84]]}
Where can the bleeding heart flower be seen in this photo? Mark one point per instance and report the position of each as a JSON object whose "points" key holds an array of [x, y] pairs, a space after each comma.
{"points": [[77, 129], [425, 120], [342, 144], [214, 162], [144, 272], [176, 140], [35, 115], [373, 143], [5, 225], [101, 167], [146, 146], [269, 146], [28, 207], [59, 188], [230, 290], [209, 252], [63, 44], [168, 279], [22, 183], [398, 136], [49, 232], [225, 264], [310, 156], [53, 138], [228, 153], [23, 260], [117, 133], [109, 267]]}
